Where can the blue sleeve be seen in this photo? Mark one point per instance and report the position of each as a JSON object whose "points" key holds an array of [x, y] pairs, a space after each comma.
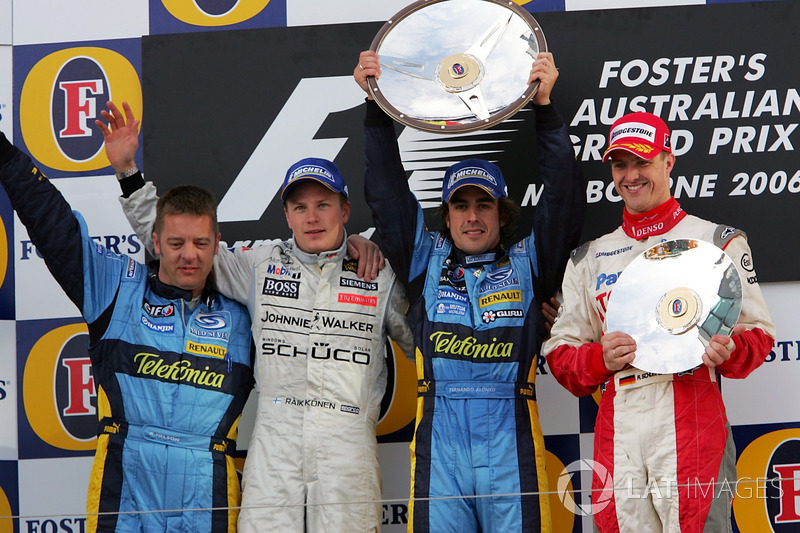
{"points": [[77, 263], [397, 215], [558, 219]]}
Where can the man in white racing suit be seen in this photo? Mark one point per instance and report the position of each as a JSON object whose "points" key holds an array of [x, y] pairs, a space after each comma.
{"points": [[320, 333], [667, 429]]}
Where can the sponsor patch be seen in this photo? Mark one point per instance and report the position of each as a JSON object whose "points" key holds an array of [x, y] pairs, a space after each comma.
{"points": [[161, 328], [280, 270], [614, 252], [208, 350], [350, 409], [349, 265], [130, 272], [633, 129], [483, 258], [358, 284], [447, 294], [500, 297], [747, 263], [490, 316], [451, 309], [158, 311], [282, 288], [357, 299], [211, 326]]}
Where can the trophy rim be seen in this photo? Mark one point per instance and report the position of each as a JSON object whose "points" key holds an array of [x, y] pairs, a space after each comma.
{"points": [[508, 111]]}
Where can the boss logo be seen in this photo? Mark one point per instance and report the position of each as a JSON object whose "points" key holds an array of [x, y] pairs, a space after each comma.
{"points": [[281, 288]]}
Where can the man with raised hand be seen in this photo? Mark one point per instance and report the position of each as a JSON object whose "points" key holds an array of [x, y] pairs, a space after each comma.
{"points": [[667, 429], [320, 331], [171, 358], [478, 457]]}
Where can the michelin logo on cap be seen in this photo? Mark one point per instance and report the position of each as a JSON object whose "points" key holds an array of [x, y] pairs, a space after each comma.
{"points": [[471, 172], [311, 170]]}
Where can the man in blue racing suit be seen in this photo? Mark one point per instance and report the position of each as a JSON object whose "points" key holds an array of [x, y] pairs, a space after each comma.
{"points": [[478, 460], [171, 358]]}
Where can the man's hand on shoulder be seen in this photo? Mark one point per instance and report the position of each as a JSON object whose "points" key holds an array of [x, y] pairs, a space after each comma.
{"points": [[369, 256]]}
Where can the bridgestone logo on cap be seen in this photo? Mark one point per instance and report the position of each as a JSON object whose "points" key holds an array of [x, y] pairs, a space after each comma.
{"points": [[634, 129], [471, 172], [311, 170]]}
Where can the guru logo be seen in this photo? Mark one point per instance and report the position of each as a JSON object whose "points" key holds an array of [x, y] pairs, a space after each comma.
{"points": [[81, 82], [59, 391]]}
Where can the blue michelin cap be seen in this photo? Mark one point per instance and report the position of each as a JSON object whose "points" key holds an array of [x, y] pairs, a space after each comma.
{"points": [[475, 172], [314, 169]]}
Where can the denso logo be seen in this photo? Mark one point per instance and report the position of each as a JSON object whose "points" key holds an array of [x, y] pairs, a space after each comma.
{"points": [[81, 80], [645, 230]]}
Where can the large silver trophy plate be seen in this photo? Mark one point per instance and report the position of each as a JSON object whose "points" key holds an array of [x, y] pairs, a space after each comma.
{"points": [[671, 299], [453, 66]]}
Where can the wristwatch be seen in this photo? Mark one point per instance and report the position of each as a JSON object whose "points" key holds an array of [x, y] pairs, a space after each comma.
{"points": [[127, 173]]}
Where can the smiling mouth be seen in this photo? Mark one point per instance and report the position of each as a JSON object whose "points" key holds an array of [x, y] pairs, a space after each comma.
{"points": [[634, 187]]}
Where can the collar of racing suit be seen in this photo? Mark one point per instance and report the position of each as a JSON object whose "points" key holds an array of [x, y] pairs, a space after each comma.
{"points": [[321, 258], [475, 260], [172, 292], [657, 221]]}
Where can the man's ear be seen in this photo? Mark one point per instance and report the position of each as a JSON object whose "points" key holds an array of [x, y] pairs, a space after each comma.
{"points": [[156, 244], [346, 212]]}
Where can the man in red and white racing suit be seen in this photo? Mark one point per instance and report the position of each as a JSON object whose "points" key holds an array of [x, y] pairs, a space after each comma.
{"points": [[664, 439]]}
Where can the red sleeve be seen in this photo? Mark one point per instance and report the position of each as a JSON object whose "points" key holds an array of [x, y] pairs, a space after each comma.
{"points": [[752, 347], [580, 369]]}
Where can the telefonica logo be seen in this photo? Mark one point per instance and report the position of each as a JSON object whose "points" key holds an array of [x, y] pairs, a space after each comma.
{"points": [[152, 365], [446, 342]]}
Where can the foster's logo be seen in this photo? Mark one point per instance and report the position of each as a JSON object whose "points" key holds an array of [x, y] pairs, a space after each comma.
{"points": [[767, 494], [81, 81], [59, 391]]}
